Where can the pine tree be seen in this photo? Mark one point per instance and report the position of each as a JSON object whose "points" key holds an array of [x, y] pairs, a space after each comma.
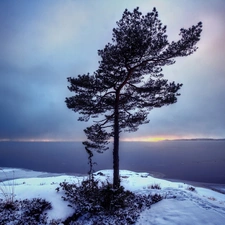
{"points": [[129, 82]]}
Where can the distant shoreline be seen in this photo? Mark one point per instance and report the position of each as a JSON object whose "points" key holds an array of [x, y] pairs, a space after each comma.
{"points": [[60, 141], [198, 139]]}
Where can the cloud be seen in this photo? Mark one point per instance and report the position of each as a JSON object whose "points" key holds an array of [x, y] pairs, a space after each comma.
{"points": [[59, 25], [32, 104], [42, 43]]}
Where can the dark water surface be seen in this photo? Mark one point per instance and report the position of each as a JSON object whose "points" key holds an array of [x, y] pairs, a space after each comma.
{"points": [[200, 161]]}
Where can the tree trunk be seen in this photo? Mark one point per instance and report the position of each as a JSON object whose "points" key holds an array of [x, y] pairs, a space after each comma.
{"points": [[116, 176]]}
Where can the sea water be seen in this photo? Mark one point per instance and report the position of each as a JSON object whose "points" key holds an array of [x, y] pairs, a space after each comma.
{"points": [[200, 161]]}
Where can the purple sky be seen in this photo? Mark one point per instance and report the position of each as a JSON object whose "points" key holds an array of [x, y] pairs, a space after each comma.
{"points": [[44, 42]]}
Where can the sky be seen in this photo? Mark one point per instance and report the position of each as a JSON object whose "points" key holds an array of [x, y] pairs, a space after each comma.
{"points": [[44, 42]]}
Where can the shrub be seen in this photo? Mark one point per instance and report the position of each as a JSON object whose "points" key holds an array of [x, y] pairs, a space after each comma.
{"points": [[155, 186], [25, 212], [100, 202], [190, 188]]}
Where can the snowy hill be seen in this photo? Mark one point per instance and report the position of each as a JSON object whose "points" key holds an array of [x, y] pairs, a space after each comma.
{"points": [[183, 204]]}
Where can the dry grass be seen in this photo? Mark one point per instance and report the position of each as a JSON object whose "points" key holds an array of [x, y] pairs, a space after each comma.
{"points": [[7, 188]]}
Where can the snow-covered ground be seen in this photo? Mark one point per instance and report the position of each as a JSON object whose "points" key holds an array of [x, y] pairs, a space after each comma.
{"points": [[181, 205]]}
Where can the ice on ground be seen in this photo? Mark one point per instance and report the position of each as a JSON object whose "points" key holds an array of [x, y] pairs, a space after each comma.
{"points": [[14, 173]]}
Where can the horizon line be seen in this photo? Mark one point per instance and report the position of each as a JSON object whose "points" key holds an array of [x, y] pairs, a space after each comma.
{"points": [[123, 140]]}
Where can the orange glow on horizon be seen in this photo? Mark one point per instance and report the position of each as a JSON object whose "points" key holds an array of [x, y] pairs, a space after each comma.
{"points": [[150, 139], [128, 139], [137, 139]]}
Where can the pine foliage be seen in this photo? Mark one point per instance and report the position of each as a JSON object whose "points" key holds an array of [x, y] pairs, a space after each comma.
{"points": [[129, 81]]}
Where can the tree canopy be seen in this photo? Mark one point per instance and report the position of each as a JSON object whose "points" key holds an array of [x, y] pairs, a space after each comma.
{"points": [[129, 81]]}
